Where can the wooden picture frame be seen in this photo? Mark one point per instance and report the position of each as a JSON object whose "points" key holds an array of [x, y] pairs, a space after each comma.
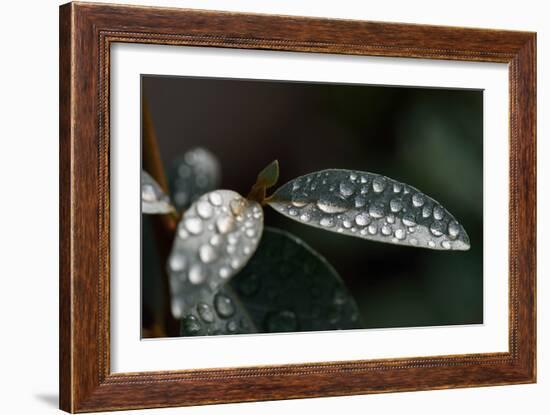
{"points": [[86, 33]]}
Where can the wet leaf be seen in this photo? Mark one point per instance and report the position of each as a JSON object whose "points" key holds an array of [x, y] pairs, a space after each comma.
{"points": [[153, 199], [214, 313], [287, 287], [369, 206], [269, 175], [215, 238], [193, 175]]}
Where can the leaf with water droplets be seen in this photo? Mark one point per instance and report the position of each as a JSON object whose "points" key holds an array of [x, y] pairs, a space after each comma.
{"points": [[215, 238], [193, 175], [153, 199], [288, 287], [369, 206]]}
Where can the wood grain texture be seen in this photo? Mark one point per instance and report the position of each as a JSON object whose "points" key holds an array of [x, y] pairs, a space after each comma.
{"points": [[86, 33]]}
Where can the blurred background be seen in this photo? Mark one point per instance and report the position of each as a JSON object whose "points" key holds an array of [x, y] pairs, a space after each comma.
{"points": [[429, 138]]}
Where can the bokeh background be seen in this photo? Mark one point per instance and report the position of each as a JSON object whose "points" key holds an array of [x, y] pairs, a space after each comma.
{"points": [[429, 138]]}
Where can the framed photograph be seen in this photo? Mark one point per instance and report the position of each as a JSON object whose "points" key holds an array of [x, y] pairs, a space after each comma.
{"points": [[258, 207]]}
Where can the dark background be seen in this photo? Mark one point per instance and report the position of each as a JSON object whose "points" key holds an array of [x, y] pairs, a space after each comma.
{"points": [[429, 138]]}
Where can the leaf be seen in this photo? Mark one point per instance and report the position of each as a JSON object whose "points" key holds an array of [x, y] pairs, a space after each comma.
{"points": [[193, 175], [215, 238], [214, 313], [287, 287], [269, 175], [153, 199], [369, 206]]}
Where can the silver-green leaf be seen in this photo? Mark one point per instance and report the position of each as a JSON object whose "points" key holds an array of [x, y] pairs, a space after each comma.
{"points": [[153, 199], [215, 238], [369, 206]]}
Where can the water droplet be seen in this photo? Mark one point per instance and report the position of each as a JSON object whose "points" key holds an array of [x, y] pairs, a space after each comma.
{"points": [[360, 201], [364, 179], [390, 218], [193, 225], [346, 189], [379, 184], [453, 229], [235, 263], [431, 244], [205, 312], [295, 186], [327, 222], [386, 230], [177, 307], [306, 217], [408, 220], [191, 325], [232, 326], [426, 211], [224, 272], [232, 238], [373, 229], [215, 198], [400, 234], [247, 250], [224, 306], [177, 263], [331, 206], [182, 233], [148, 193], [438, 212], [299, 202], [346, 223], [353, 176], [396, 205], [413, 241], [397, 187], [225, 224], [207, 253], [292, 212], [364, 189], [376, 210], [437, 228], [216, 240], [446, 245], [362, 219], [204, 209], [418, 199], [197, 274], [250, 232], [282, 321]]}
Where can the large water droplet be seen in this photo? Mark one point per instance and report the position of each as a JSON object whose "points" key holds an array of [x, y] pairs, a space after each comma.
{"points": [[207, 253], [400, 234], [282, 321], [191, 325], [396, 205], [327, 222], [376, 210], [306, 217], [426, 211], [453, 229], [346, 189], [224, 306], [215, 198], [332, 205], [225, 224], [373, 229], [177, 263], [362, 219], [193, 225], [408, 220], [438, 212], [197, 274], [360, 201], [205, 312], [397, 187], [418, 199], [386, 230], [204, 209], [437, 228], [378, 184]]}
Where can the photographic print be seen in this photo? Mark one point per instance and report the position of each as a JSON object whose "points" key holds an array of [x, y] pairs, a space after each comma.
{"points": [[279, 206]]}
